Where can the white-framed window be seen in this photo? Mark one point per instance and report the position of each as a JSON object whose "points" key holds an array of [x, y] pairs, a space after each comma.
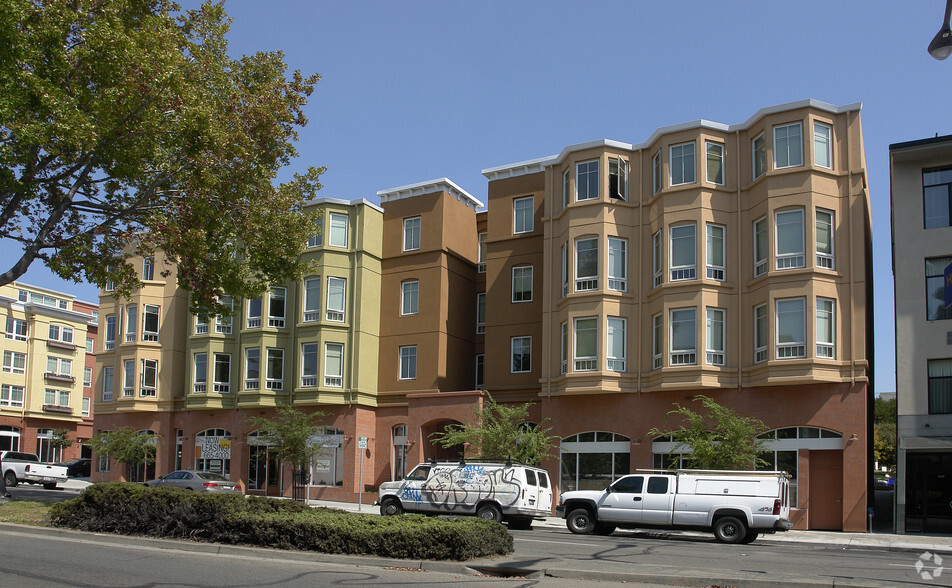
{"points": [[201, 324], [56, 397], [312, 300], [565, 189], [109, 341], [937, 197], [148, 268], [480, 313], [586, 264], [107, 382], [129, 378], [824, 238], [617, 178], [59, 366], [760, 333], [222, 373], [521, 353], [522, 283], [480, 370], [148, 377], [683, 336], [90, 345], [200, 384], [317, 239], [826, 328], [565, 270], [715, 336], [714, 162], [758, 149], [481, 254], [110, 285], [274, 376], [791, 328], [410, 297], [61, 333], [615, 346], [16, 329], [656, 173], [822, 145], [657, 341], [760, 246], [86, 406], [715, 252], [935, 289], [586, 344], [252, 368], [132, 316], [522, 215], [411, 233], [254, 313], [276, 307], [12, 396], [14, 362], [681, 164], [336, 296], [564, 348], [223, 322], [338, 236], [788, 145], [617, 264], [586, 180], [334, 365], [309, 365], [683, 252], [657, 259], [87, 377], [408, 355], [790, 246], [150, 322]]}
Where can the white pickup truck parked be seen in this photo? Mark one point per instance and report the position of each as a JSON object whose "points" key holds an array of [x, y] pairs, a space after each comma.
{"points": [[736, 505], [26, 467]]}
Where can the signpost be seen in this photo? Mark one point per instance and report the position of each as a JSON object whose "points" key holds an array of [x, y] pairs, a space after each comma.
{"points": [[361, 446]]}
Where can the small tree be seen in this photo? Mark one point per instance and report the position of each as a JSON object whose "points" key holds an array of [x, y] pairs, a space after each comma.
{"points": [[721, 439], [289, 435], [126, 446], [884, 432], [59, 441], [500, 431]]}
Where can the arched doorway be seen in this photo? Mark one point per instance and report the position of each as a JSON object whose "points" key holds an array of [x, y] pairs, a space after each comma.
{"points": [[434, 450]]}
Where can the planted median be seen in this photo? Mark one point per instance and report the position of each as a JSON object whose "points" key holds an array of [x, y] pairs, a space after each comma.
{"points": [[173, 513]]}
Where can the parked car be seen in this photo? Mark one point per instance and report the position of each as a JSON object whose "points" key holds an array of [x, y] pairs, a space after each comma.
{"points": [[26, 467], [198, 481], [77, 468]]}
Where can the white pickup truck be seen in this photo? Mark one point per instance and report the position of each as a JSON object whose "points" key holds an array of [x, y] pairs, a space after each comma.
{"points": [[26, 467], [736, 505]]}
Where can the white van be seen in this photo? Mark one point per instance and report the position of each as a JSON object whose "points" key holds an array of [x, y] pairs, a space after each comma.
{"points": [[495, 490]]}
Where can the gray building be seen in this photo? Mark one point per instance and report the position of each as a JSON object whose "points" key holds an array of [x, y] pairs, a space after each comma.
{"points": [[921, 213]]}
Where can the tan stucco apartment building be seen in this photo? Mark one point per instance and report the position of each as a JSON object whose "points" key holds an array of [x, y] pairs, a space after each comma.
{"points": [[579, 287], [921, 188]]}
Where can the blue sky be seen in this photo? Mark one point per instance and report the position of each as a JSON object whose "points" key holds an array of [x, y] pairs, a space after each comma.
{"points": [[415, 90]]}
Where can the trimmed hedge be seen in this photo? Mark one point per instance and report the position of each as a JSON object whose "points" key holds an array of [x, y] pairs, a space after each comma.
{"points": [[132, 509]]}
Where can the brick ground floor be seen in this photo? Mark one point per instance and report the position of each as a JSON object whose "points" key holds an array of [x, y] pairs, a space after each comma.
{"points": [[32, 435], [818, 433]]}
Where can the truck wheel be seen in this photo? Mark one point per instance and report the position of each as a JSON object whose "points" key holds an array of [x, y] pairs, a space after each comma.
{"points": [[730, 530], [490, 512], [580, 521], [10, 479], [49, 485], [391, 507], [604, 529], [751, 536]]}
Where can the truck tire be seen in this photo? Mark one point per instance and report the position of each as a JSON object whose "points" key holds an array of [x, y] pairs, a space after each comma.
{"points": [[580, 521], [49, 485], [391, 507], [490, 512], [751, 536], [730, 530], [10, 479]]}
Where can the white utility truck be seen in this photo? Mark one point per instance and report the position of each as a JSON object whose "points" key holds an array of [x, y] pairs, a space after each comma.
{"points": [[736, 505], [503, 491]]}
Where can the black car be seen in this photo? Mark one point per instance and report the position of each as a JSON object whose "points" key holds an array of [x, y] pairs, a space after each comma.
{"points": [[77, 468]]}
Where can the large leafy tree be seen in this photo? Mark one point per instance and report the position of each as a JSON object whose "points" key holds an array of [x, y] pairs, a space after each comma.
{"points": [[289, 435], [718, 438], [500, 431], [126, 127]]}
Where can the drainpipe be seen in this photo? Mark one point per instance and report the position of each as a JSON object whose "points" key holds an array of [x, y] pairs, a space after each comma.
{"points": [[739, 271]]}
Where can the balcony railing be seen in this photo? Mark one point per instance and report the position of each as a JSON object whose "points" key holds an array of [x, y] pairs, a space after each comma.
{"points": [[276, 322], [147, 391], [309, 381], [790, 260], [586, 364], [715, 357], [715, 273], [222, 387], [336, 316], [254, 322], [201, 329], [312, 316], [683, 273], [825, 350], [586, 284], [274, 384], [825, 261]]}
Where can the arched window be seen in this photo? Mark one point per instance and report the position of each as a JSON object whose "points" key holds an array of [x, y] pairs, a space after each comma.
{"points": [[213, 451], [593, 460], [783, 449], [399, 436]]}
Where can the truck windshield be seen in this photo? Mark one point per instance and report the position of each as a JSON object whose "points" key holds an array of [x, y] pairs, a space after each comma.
{"points": [[419, 473]]}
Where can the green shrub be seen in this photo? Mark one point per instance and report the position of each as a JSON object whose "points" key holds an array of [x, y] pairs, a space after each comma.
{"points": [[133, 509]]}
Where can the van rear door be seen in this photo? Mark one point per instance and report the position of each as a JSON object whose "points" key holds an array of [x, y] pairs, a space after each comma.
{"points": [[545, 493], [530, 491]]}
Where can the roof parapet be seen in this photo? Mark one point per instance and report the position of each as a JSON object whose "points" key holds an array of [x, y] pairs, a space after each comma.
{"points": [[429, 187]]}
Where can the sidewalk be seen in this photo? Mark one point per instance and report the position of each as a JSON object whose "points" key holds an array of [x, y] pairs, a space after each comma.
{"points": [[891, 542]]}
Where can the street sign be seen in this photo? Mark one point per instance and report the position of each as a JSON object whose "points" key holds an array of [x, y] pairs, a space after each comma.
{"points": [[361, 443]]}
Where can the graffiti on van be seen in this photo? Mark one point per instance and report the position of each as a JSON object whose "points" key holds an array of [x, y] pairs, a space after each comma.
{"points": [[464, 487]]}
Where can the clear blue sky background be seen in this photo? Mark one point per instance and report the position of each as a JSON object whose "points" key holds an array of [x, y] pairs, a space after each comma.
{"points": [[417, 90]]}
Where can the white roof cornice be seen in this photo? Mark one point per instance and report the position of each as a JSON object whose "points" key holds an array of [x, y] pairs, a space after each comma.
{"points": [[429, 187]]}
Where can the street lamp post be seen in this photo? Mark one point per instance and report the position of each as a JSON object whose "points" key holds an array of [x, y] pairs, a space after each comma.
{"points": [[941, 45]]}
